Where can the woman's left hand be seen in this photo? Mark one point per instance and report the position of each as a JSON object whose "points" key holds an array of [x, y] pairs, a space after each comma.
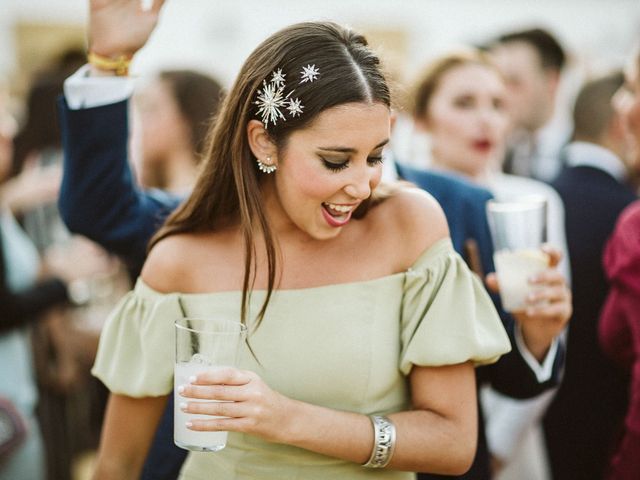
{"points": [[548, 306], [250, 405]]}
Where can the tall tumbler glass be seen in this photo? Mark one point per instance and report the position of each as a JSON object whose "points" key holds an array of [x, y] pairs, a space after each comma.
{"points": [[518, 230], [202, 344]]}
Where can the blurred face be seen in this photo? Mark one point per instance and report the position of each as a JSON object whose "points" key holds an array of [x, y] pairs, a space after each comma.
{"points": [[626, 102], [329, 168], [530, 88], [467, 121], [162, 129]]}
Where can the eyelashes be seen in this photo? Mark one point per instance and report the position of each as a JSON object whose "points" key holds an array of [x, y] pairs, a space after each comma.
{"points": [[336, 167], [333, 166]]}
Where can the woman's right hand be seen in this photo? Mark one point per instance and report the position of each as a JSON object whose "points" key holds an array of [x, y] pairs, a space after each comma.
{"points": [[120, 27]]}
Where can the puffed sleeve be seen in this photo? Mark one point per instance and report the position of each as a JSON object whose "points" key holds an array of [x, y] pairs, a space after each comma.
{"points": [[447, 315], [136, 351]]}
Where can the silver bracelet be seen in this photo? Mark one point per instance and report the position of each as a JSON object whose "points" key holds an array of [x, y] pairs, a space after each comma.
{"points": [[384, 442]]}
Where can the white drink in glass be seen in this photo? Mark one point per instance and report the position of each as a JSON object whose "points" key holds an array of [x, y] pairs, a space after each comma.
{"points": [[182, 436], [514, 268]]}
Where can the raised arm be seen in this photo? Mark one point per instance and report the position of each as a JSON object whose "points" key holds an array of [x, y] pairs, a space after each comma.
{"points": [[120, 27], [98, 196]]}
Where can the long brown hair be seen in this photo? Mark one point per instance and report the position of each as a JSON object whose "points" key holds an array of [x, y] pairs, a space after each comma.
{"points": [[228, 190]]}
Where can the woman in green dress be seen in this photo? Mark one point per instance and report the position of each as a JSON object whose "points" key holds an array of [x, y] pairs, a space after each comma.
{"points": [[364, 324]]}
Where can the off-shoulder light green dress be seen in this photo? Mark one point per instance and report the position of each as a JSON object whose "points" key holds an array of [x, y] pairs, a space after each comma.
{"points": [[347, 347]]}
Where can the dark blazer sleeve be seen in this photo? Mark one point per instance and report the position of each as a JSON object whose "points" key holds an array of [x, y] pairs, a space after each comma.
{"points": [[98, 195], [512, 376], [464, 208], [18, 309]]}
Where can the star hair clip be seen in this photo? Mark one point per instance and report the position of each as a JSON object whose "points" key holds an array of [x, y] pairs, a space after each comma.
{"points": [[272, 100]]}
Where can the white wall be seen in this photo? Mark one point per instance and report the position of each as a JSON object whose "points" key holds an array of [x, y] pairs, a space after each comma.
{"points": [[216, 35]]}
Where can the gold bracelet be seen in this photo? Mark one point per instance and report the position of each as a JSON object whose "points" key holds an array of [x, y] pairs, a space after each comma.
{"points": [[119, 65]]}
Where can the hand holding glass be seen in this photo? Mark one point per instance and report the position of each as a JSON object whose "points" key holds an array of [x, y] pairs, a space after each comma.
{"points": [[202, 344], [518, 230]]}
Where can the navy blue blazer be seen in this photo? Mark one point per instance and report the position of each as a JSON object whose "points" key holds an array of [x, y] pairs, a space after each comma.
{"points": [[593, 387], [98, 195], [464, 206]]}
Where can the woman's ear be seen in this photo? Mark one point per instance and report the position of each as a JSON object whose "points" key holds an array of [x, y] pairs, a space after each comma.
{"points": [[261, 144]]}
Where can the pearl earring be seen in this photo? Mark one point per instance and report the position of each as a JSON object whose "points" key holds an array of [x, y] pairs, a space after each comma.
{"points": [[266, 167]]}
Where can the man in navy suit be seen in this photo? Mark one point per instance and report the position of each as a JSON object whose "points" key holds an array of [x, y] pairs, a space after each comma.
{"points": [[581, 423], [532, 62], [464, 206]]}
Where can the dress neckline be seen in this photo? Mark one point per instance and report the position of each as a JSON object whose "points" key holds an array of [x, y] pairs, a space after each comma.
{"points": [[429, 254]]}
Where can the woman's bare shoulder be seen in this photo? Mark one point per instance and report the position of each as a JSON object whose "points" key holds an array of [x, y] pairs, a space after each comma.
{"points": [[167, 265], [414, 221], [192, 262]]}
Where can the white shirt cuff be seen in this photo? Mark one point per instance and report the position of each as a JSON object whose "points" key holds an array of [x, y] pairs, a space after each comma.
{"points": [[83, 91], [508, 420], [544, 371]]}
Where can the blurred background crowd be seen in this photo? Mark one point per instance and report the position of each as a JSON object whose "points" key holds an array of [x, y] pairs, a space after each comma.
{"points": [[513, 96]]}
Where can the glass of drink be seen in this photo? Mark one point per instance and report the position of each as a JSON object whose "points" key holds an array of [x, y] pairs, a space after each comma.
{"points": [[518, 230], [202, 344]]}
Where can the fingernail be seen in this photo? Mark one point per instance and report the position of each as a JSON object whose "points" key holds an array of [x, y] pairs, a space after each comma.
{"points": [[188, 424], [183, 406], [192, 379], [181, 389]]}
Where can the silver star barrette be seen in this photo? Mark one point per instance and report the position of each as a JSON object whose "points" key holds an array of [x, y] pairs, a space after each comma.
{"points": [[277, 78], [309, 73], [272, 100], [295, 107]]}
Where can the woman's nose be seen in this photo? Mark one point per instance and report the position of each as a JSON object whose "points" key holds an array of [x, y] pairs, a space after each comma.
{"points": [[359, 186]]}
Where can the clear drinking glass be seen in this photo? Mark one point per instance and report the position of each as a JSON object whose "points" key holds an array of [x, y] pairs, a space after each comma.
{"points": [[202, 344], [518, 230]]}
